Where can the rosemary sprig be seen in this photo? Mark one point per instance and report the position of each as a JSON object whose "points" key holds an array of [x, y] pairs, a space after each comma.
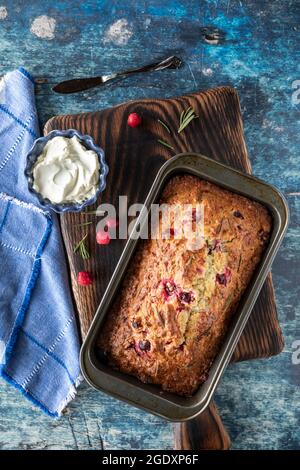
{"points": [[181, 116], [81, 247], [84, 251], [184, 114], [164, 125], [162, 142], [185, 118]]}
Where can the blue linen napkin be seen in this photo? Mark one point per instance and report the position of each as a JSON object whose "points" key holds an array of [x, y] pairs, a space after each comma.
{"points": [[39, 342]]}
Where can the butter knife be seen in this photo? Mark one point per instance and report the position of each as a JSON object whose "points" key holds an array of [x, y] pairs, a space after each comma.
{"points": [[81, 84]]}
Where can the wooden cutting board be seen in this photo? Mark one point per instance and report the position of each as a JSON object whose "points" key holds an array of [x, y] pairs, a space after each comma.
{"points": [[134, 157]]}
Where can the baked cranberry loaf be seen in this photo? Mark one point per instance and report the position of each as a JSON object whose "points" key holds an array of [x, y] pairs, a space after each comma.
{"points": [[175, 304]]}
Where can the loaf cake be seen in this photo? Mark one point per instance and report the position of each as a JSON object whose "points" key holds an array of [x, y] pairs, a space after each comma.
{"points": [[175, 304]]}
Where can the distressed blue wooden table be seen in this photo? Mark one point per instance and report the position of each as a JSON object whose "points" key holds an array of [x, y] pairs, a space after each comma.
{"points": [[258, 400]]}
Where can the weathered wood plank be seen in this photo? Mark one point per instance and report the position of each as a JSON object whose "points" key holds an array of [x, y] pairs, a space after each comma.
{"points": [[258, 400]]}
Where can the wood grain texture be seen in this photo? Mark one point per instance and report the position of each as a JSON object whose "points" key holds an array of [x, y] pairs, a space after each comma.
{"points": [[134, 157], [258, 400], [206, 432]]}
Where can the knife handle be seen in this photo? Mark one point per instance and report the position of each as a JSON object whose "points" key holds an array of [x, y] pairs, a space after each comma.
{"points": [[80, 84], [205, 432], [172, 62]]}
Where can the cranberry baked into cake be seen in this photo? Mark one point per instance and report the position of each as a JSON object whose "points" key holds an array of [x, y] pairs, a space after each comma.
{"points": [[169, 320]]}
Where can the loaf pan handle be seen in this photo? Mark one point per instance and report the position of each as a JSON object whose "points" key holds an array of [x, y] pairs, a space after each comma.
{"points": [[205, 432]]}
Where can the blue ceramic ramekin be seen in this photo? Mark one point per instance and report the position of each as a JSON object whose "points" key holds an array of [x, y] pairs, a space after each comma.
{"points": [[37, 150]]}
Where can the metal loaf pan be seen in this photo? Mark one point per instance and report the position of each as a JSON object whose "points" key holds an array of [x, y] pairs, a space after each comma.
{"points": [[150, 397]]}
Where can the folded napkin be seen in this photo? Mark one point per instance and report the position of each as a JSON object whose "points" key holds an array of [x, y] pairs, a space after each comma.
{"points": [[39, 342]]}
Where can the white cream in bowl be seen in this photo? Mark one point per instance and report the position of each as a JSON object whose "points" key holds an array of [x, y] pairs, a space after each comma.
{"points": [[66, 171]]}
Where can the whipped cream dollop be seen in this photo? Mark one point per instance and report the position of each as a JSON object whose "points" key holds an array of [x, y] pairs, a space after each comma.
{"points": [[66, 171]]}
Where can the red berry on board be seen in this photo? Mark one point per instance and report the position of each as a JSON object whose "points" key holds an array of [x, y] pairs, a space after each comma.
{"points": [[134, 120], [84, 278], [102, 237]]}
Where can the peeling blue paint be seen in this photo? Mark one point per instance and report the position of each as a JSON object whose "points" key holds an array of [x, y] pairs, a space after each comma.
{"points": [[258, 400]]}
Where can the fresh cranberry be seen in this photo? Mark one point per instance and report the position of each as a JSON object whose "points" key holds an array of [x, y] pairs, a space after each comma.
{"points": [[84, 278], [238, 214], [102, 237], [134, 120]]}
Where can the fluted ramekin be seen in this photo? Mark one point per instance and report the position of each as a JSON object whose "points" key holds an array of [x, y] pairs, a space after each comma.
{"points": [[37, 150]]}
